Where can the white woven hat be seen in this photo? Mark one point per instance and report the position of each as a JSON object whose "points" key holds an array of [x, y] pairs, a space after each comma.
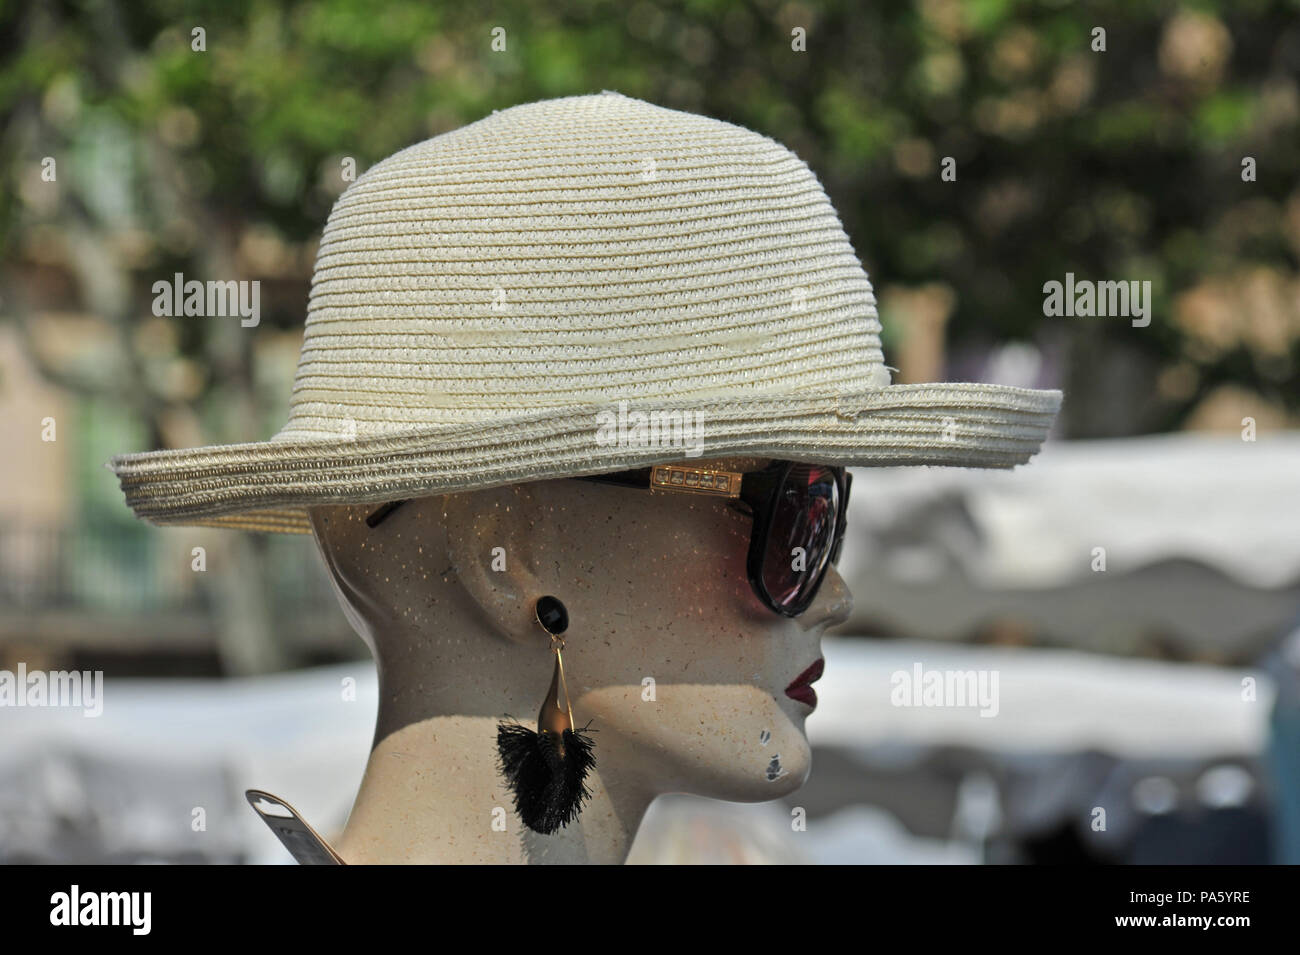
{"points": [[503, 303]]}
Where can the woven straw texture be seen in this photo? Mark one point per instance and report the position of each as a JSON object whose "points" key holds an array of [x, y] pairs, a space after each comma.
{"points": [[480, 298]]}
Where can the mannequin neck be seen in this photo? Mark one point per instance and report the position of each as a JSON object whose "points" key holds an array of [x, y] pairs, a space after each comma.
{"points": [[432, 794]]}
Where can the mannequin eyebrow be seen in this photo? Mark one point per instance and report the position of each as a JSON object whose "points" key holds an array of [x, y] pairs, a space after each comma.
{"points": [[380, 515]]}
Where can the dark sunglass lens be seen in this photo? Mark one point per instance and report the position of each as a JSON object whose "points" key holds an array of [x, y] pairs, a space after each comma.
{"points": [[805, 515]]}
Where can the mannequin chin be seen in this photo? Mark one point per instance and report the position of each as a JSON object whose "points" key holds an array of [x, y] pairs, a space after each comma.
{"points": [[756, 752], [679, 668]]}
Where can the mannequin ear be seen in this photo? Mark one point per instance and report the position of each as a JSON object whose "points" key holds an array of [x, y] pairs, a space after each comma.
{"points": [[492, 549]]}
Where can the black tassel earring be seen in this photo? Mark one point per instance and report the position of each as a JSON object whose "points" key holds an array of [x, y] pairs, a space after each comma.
{"points": [[547, 770]]}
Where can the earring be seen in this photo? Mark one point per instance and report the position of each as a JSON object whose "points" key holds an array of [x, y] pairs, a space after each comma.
{"points": [[547, 770]]}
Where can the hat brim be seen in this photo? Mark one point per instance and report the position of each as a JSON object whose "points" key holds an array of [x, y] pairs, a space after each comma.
{"points": [[268, 486]]}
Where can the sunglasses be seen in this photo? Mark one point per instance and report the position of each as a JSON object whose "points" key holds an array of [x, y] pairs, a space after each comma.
{"points": [[799, 515], [798, 510]]}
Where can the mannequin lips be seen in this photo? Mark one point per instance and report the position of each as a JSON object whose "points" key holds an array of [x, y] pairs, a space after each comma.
{"points": [[801, 688]]}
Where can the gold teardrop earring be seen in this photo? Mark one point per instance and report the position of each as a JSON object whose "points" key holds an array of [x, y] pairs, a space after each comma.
{"points": [[547, 770]]}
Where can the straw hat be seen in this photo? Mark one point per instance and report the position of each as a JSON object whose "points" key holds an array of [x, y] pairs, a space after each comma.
{"points": [[565, 288]]}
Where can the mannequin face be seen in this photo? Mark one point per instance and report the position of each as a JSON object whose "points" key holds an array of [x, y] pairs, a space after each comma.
{"points": [[678, 666]]}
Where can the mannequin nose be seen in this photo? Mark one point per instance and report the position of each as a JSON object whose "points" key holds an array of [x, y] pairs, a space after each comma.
{"points": [[833, 605]]}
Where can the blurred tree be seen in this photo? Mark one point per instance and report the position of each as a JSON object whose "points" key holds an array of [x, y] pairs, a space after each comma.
{"points": [[1117, 164]]}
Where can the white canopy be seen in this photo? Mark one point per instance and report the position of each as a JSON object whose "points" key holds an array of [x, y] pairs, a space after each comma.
{"points": [[1230, 504]]}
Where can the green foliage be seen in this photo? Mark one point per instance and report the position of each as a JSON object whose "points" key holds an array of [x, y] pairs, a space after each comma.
{"points": [[1068, 159]]}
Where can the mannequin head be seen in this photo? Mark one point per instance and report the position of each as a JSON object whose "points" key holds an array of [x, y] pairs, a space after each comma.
{"points": [[678, 666]]}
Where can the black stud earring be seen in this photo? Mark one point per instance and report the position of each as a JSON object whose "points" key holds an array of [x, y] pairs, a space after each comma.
{"points": [[547, 770]]}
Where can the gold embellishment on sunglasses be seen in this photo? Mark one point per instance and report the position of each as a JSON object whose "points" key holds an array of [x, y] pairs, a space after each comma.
{"points": [[675, 477]]}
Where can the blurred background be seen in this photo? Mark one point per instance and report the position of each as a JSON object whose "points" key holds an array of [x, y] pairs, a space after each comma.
{"points": [[1162, 686]]}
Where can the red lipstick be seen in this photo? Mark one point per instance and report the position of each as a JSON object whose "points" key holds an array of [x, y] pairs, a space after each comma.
{"points": [[801, 689]]}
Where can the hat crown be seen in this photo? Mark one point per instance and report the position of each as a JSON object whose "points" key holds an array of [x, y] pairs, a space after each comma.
{"points": [[579, 251]]}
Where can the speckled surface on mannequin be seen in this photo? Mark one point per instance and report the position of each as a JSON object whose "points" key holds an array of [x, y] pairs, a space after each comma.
{"points": [[656, 590]]}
